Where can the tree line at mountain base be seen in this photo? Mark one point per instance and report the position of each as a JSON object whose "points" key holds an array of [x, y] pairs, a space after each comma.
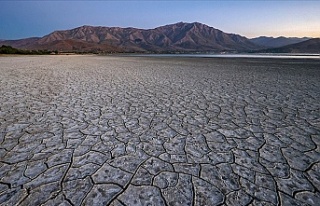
{"points": [[10, 50]]}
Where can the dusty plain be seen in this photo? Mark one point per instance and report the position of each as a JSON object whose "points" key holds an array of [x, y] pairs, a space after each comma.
{"points": [[106, 130]]}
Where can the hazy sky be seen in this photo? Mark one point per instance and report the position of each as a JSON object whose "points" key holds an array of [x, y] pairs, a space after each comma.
{"points": [[20, 19]]}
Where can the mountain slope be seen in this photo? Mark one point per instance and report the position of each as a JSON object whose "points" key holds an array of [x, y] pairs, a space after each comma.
{"points": [[20, 43], [271, 42], [311, 46], [202, 37], [175, 37]]}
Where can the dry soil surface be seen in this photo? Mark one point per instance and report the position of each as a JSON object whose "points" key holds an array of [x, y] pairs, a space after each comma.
{"points": [[96, 130]]}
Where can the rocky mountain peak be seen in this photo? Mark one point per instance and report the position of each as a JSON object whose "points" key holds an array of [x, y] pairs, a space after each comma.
{"points": [[181, 36]]}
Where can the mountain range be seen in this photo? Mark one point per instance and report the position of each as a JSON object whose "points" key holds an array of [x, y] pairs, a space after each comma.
{"points": [[271, 42], [179, 37], [311, 46]]}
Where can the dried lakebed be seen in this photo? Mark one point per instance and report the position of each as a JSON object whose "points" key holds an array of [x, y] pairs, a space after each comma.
{"points": [[91, 130]]}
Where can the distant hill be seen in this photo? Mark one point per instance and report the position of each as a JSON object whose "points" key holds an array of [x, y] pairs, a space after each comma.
{"points": [[183, 37], [20, 43], [271, 42], [309, 46]]}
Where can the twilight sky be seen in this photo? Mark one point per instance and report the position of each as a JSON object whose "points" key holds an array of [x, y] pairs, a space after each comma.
{"points": [[21, 19]]}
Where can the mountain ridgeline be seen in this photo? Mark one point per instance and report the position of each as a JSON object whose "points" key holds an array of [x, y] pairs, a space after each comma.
{"points": [[271, 42], [311, 46], [179, 37]]}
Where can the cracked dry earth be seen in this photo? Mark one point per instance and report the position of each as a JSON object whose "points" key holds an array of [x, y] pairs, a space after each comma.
{"points": [[90, 130]]}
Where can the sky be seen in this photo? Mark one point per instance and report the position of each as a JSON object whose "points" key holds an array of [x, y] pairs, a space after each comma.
{"points": [[25, 18]]}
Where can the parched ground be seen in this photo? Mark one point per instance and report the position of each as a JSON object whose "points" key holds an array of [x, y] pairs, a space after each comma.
{"points": [[90, 130]]}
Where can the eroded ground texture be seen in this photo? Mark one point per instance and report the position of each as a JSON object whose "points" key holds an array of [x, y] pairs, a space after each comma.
{"points": [[90, 130]]}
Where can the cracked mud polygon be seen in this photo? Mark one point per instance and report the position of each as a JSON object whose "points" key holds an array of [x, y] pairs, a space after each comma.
{"points": [[94, 130]]}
